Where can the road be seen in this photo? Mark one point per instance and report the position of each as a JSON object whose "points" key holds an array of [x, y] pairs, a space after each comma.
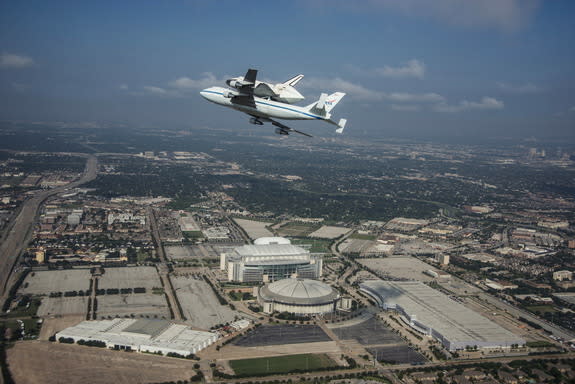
{"points": [[550, 327], [20, 228], [163, 268]]}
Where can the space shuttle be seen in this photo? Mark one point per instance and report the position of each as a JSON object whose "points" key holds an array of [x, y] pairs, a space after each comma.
{"points": [[281, 92]]}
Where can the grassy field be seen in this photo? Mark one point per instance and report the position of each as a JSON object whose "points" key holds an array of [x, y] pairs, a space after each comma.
{"points": [[281, 364], [319, 246], [541, 308], [297, 229], [363, 236]]}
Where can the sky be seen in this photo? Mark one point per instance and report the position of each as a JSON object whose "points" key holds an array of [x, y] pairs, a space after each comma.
{"points": [[410, 68]]}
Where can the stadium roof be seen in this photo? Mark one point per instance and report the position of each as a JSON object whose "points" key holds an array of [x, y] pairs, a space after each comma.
{"points": [[270, 250], [299, 292], [271, 240]]}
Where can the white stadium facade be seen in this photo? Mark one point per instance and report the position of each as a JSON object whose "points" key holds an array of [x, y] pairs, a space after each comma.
{"points": [[141, 335], [433, 313], [270, 259], [298, 296]]}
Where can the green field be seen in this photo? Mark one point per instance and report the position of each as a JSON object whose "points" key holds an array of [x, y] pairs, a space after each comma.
{"points": [[363, 236], [281, 364], [297, 229], [541, 308], [319, 246]]}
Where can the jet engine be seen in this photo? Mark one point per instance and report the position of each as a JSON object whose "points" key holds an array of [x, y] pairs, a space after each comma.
{"points": [[255, 121], [280, 131]]}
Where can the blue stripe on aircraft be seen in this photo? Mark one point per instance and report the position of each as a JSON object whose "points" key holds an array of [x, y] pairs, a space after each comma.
{"points": [[275, 106]]}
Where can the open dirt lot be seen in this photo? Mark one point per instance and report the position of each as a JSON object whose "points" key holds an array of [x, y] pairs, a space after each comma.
{"points": [[254, 229], [56, 306], [137, 304], [53, 325], [199, 303], [130, 277], [44, 282], [329, 232], [41, 362]]}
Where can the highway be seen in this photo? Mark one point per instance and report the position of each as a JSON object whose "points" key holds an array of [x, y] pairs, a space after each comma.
{"points": [[19, 230]]}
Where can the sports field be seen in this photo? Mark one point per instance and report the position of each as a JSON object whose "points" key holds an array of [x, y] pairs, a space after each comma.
{"points": [[281, 364]]}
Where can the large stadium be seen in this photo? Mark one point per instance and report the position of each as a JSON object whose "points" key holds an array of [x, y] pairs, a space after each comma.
{"points": [[298, 296], [270, 259]]}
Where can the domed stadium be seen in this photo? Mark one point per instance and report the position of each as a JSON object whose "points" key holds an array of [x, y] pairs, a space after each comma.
{"points": [[298, 296]]}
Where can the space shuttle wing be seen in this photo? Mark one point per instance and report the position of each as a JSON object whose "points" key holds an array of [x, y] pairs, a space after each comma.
{"points": [[285, 129], [245, 99], [246, 88]]}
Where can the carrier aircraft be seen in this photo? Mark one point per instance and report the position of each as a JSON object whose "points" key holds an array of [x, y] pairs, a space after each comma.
{"points": [[266, 102]]}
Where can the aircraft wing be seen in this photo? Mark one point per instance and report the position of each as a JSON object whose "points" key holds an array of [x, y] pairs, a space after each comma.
{"points": [[287, 129], [246, 95]]}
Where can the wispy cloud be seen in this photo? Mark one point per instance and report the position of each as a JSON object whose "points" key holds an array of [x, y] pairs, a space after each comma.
{"points": [[403, 97], [206, 79], [413, 68], [486, 103], [572, 109], [519, 88], [10, 60], [337, 84], [405, 107], [505, 15], [155, 90]]}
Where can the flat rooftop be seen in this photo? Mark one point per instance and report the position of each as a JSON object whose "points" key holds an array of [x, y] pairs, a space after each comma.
{"points": [[435, 310], [139, 333]]}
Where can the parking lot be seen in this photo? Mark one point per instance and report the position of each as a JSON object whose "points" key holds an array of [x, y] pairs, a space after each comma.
{"points": [[58, 306], [404, 267], [368, 332], [401, 354], [44, 282], [199, 304], [282, 334], [380, 341], [130, 277], [139, 305]]}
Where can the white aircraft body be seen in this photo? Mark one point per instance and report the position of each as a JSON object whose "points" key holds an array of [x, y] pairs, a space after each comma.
{"points": [[264, 109]]}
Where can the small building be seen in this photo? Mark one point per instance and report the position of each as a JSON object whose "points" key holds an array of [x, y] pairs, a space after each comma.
{"points": [[442, 258], [562, 275]]}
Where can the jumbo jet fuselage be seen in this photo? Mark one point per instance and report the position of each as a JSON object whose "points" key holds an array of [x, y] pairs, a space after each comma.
{"points": [[263, 108]]}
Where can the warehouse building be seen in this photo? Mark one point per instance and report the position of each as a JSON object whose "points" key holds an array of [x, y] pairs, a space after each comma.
{"points": [[270, 259], [430, 312], [141, 335], [298, 296]]}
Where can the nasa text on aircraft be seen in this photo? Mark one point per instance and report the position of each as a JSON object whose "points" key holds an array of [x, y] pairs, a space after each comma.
{"points": [[266, 102]]}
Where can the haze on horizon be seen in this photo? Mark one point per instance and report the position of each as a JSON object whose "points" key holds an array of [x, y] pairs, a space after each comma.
{"points": [[409, 67]]}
